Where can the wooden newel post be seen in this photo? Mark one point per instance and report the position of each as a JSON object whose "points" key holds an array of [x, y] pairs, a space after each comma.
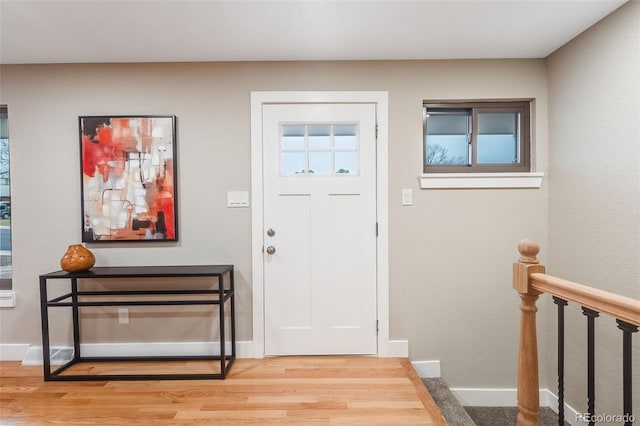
{"points": [[528, 387]]}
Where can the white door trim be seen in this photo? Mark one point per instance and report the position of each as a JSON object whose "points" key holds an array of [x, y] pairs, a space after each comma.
{"points": [[258, 99]]}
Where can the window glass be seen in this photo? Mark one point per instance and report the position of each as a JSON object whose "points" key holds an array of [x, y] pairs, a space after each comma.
{"points": [[447, 138], [498, 138], [5, 203]]}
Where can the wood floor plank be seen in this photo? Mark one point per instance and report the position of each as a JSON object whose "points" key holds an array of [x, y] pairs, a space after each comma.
{"points": [[298, 391]]}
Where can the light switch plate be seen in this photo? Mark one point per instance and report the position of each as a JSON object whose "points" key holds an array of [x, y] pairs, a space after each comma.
{"points": [[238, 199], [123, 315], [407, 197]]}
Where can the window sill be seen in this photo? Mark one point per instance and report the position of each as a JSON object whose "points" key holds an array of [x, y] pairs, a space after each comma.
{"points": [[480, 180], [7, 299]]}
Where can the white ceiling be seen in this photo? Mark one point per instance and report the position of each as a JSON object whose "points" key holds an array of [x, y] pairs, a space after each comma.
{"points": [[55, 31]]}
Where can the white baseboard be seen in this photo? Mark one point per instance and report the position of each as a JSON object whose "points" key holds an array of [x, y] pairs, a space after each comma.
{"points": [[427, 369], [549, 399], [161, 349], [13, 351], [398, 348], [486, 397], [33, 355]]}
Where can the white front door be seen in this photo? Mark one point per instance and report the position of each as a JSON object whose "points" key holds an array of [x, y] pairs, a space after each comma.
{"points": [[319, 235]]}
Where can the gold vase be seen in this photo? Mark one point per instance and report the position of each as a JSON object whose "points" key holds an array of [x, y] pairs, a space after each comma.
{"points": [[77, 258]]}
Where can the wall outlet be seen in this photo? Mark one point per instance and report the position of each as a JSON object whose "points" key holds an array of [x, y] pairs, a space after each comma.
{"points": [[123, 315]]}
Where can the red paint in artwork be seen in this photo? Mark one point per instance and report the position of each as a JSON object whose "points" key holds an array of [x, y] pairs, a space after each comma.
{"points": [[94, 156], [88, 157], [164, 204]]}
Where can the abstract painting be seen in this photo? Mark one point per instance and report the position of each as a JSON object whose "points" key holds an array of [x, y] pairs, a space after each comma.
{"points": [[129, 179]]}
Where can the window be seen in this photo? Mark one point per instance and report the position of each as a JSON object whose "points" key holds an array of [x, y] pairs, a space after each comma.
{"points": [[476, 137], [5, 207]]}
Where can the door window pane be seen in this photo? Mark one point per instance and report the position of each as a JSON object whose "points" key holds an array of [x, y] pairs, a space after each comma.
{"points": [[293, 163], [345, 136], [320, 163], [319, 149], [346, 162], [293, 137], [319, 136]]}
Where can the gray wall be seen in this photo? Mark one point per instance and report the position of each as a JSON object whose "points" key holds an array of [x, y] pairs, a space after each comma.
{"points": [[594, 191], [450, 253]]}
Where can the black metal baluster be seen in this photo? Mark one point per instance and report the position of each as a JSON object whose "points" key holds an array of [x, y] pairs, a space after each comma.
{"points": [[591, 362], [627, 395], [561, 304]]}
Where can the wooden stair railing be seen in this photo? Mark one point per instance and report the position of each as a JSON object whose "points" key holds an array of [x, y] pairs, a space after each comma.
{"points": [[530, 280]]}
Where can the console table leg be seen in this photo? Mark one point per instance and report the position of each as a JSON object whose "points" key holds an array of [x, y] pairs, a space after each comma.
{"points": [[76, 319], [44, 317], [233, 315], [223, 370]]}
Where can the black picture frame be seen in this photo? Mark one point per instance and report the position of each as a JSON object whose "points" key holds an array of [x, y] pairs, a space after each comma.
{"points": [[129, 187]]}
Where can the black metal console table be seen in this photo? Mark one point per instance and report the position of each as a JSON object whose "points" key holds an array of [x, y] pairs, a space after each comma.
{"points": [[221, 292]]}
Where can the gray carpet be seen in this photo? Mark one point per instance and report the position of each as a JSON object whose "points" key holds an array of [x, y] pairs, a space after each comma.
{"points": [[451, 409], [457, 415], [499, 416]]}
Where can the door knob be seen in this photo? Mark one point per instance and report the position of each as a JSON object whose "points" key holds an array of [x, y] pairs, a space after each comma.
{"points": [[271, 250], [271, 232]]}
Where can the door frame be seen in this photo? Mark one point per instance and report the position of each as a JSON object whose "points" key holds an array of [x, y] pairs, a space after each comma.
{"points": [[258, 100]]}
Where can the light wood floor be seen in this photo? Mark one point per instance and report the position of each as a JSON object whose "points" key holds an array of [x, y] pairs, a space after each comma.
{"points": [[283, 390]]}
